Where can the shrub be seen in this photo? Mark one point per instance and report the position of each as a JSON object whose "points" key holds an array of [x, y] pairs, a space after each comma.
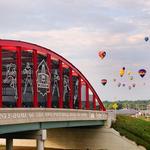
{"points": [[135, 129]]}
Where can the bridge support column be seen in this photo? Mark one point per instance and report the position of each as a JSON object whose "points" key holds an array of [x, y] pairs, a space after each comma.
{"points": [[9, 144], [40, 144], [40, 139]]}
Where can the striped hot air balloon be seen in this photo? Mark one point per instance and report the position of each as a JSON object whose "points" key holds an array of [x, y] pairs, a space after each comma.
{"points": [[103, 82], [102, 54]]}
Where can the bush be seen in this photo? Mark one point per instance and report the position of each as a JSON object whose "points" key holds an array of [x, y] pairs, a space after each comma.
{"points": [[135, 129]]}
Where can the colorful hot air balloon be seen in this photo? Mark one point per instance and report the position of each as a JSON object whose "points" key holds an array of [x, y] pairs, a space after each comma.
{"points": [[146, 38], [102, 54], [122, 71], [103, 81], [129, 73], [142, 72]]}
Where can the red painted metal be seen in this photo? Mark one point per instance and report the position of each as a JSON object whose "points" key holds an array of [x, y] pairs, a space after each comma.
{"points": [[79, 93], [74, 73], [42, 50], [19, 76], [102, 108], [60, 85], [94, 102], [1, 79], [49, 95], [87, 97], [35, 64], [71, 88], [64, 66]]}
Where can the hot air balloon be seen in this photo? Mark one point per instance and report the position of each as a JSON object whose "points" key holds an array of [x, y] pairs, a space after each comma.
{"points": [[102, 54], [129, 73], [133, 85], [119, 84], [123, 84], [146, 38], [103, 81], [129, 87], [114, 80], [131, 77], [142, 72], [122, 71]]}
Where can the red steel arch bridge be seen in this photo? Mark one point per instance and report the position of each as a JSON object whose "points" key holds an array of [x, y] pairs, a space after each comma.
{"points": [[33, 76], [39, 89]]}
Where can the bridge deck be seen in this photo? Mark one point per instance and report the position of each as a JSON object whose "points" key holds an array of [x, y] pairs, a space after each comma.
{"points": [[25, 119]]}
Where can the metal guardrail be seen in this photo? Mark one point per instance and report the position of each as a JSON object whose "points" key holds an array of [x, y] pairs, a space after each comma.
{"points": [[30, 115]]}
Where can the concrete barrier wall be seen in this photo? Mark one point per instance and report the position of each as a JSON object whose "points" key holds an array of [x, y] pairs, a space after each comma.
{"points": [[29, 115]]}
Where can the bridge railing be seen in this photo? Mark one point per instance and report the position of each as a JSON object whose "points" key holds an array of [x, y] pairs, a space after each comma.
{"points": [[30, 115]]}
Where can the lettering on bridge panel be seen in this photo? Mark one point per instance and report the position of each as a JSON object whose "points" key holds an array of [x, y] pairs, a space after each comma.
{"points": [[27, 115]]}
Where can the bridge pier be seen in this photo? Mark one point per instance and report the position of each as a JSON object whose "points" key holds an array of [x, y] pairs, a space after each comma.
{"points": [[40, 144], [39, 135], [9, 144]]}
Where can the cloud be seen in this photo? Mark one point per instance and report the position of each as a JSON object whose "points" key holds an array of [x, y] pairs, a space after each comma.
{"points": [[78, 30], [81, 48], [92, 15]]}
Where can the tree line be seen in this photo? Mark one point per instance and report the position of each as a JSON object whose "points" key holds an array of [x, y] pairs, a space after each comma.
{"points": [[127, 104]]}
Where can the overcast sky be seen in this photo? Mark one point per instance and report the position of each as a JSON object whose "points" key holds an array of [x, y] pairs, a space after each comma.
{"points": [[79, 29]]}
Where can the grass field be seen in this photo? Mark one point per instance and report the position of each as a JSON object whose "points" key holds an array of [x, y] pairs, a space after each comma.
{"points": [[144, 118], [137, 130]]}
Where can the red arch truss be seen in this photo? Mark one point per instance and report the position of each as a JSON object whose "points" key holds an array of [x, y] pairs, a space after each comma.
{"points": [[28, 71]]}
